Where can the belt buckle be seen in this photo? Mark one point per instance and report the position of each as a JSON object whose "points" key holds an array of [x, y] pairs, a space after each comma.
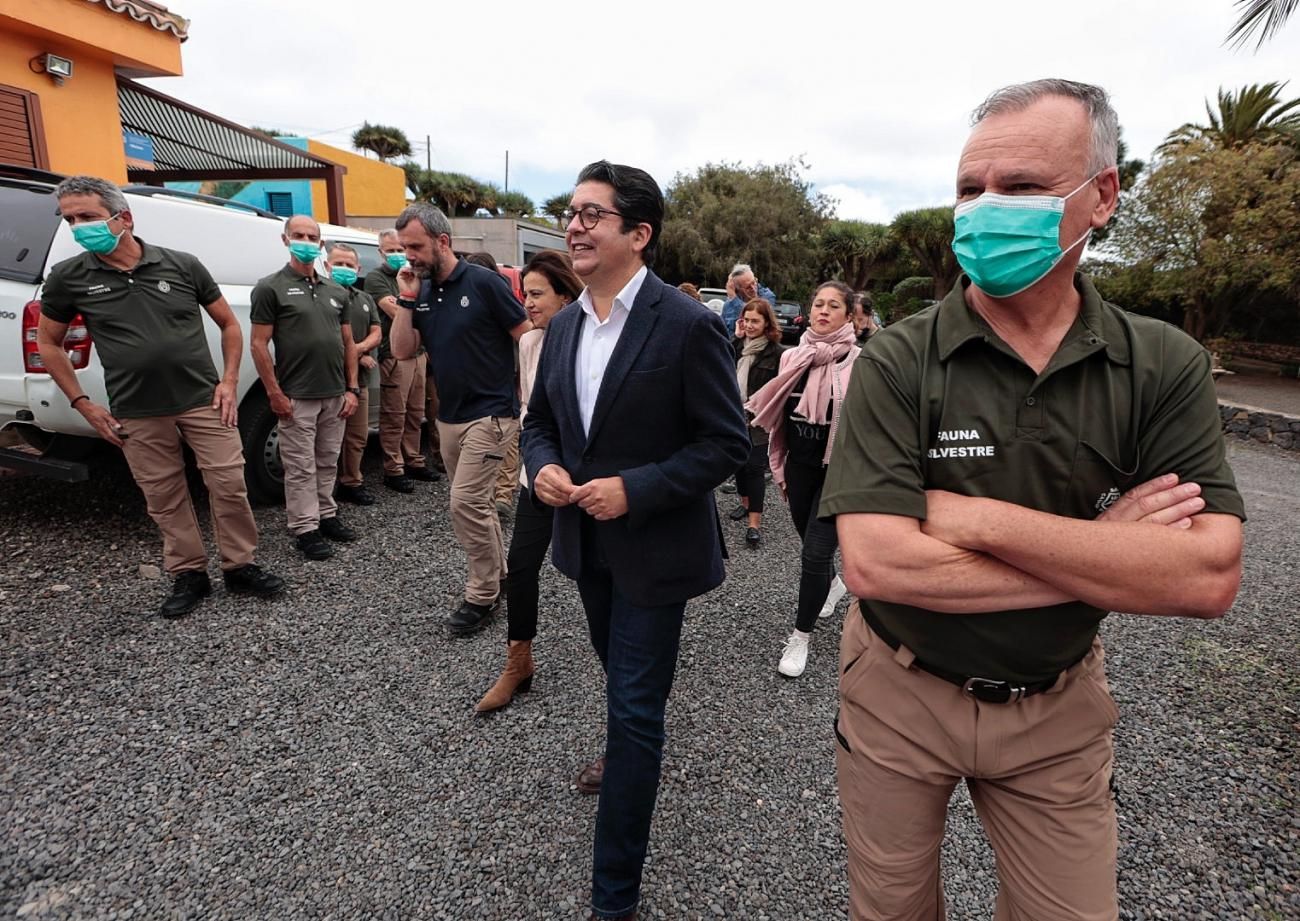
{"points": [[993, 692]]}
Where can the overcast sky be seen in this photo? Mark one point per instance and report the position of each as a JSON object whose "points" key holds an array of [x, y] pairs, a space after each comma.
{"points": [[874, 97]]}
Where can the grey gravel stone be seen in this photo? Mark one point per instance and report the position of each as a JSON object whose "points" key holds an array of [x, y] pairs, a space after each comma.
{"points": [[317, 756]]}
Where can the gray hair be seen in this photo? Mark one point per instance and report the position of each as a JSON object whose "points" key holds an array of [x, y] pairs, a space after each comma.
{"points": [[429, 216], [389, 234], [338, 244], [739, 269], [1105, 123], [109, 194]]}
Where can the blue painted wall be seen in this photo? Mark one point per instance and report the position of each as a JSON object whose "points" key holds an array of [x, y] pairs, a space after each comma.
{"points": [[258, 193]]}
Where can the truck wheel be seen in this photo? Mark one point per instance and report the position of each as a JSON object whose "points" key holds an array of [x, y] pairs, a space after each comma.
{"points": [[260, 432]]}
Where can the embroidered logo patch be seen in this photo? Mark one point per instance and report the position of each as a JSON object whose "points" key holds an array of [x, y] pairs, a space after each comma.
{"points": [[464, 300], [98, 289], [961, 450], [164, 287], [334, 303], [1107, 499]]}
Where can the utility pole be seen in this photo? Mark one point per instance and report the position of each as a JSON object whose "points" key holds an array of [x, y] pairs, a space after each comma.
{"points": [[507, 171], [428, 153]]}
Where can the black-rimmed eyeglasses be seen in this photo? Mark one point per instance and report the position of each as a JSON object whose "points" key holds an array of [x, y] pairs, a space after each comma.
{"points": [[589, 215]]}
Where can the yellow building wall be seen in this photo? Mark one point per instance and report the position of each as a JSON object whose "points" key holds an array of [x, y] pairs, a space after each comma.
{"points": [[83, 129], [370, 188]]}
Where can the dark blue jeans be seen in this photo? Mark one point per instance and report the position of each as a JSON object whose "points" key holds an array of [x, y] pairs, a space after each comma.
{"points": [[638, 649]]}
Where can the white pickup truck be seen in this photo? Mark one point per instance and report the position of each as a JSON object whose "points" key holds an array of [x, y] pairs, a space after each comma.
{"points": [[238, 245]]}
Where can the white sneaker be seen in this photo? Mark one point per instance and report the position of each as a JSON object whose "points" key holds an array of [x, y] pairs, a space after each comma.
{"points": [[794, 658], [838, 588]]}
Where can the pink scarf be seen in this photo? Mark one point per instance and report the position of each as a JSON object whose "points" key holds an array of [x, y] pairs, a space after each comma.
{"points": [[815, 353]]}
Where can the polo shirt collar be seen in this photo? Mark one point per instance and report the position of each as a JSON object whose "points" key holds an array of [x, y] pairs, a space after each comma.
{"points": [[625, 298], [456, 273], [1095, 326], [288, 272], [148, 253]]}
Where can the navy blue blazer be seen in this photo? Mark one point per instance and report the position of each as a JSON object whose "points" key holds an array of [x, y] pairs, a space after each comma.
{"points": [[667, 420]]}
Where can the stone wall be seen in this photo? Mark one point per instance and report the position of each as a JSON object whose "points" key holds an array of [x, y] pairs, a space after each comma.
{"points": [[1265, 427]]}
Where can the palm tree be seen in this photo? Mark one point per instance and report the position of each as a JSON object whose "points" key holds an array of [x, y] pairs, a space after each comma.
{"points": [[860, 250], [384, 141], [927, 234], [1253, 114], [1266, 15], [556, 205], [514, 204]]}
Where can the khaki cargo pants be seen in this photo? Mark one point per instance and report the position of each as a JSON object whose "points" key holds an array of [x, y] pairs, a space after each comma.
{"points": [[1038, 772], [473, 453], [309, 452], [401, 409], [153, 451]]}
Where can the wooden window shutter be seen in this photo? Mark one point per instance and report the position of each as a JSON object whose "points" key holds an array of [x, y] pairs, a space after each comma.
{"points": [[22, 137]]}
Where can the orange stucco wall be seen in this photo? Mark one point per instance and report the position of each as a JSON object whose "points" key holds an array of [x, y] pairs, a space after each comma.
{"points": [[83, 130], [370, 188], [90, 27]]}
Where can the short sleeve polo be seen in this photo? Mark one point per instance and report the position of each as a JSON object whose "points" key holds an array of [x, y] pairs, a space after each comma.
{"points": [[362, 315], [939, 401], [146, 325], [464, 323], [306, 314], [381, 282]]}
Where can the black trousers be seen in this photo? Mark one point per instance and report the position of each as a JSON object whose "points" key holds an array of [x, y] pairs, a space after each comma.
{"points": [[803, 486], [751, 479], [528, 546]]}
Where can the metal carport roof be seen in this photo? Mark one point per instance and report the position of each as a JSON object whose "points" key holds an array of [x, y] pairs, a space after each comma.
{"points": [[191, 144]]}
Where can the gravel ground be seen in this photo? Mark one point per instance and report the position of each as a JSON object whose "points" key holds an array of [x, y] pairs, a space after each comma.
{"points": [[316, 756]]}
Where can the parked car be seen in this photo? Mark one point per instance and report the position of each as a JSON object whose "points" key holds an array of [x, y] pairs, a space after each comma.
{"points": [[791, 320], [238, 245]]}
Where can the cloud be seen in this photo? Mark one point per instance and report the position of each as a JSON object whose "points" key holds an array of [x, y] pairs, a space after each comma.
{"points": [[875, 97]]}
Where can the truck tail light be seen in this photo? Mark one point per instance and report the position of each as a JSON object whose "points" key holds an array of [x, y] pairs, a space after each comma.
{"points": [[76, 341]]}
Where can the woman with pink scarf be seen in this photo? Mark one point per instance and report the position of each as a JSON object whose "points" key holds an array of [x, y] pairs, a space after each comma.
{"points": [[800, 409]]}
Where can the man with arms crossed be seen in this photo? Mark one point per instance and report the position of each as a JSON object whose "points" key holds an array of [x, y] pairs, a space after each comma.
{"points": [[141, 304], [401, 382], [1014, 463], [634, 419]]}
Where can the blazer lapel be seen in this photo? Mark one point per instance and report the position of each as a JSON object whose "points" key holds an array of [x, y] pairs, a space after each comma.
{"points": [[567, 349], [640, 321]]}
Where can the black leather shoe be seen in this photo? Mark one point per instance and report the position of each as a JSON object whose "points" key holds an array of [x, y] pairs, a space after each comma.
{"points": [[251, 579], [753, 537], [401, 483], [470, 618], [189, 588], [314, 546], [738, 513], [357, 495], [423, 474], [337, 531]]}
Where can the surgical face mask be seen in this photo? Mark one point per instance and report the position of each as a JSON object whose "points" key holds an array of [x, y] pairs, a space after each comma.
{"points": [[1008, 243], [395, 260], [304, 250], [347, 277], [96, 237]]}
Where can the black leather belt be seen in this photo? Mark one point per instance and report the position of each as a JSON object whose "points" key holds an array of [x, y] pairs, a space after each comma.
{"points": [[987, 690]]}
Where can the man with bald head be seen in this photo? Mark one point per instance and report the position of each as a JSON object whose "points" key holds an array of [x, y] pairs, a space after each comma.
{"points": [[311, 383], [1012, 464]]}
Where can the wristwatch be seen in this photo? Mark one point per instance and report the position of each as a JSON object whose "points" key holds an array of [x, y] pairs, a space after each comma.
{"points": [[407, 302], [355, 391]]}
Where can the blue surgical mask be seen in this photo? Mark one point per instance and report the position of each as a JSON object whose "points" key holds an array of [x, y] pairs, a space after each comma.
{"points": [[395, 260], [304, 251], [95, 236], [1008, 243], [343, 275]]}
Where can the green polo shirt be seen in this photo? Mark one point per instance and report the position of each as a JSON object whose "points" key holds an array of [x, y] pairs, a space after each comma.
{"points": [[939, 401], [380, 283], [307, 314], [362, 314], [147, 326]]}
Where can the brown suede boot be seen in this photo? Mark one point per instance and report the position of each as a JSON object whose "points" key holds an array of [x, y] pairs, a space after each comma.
{"points": [[517, 677]]}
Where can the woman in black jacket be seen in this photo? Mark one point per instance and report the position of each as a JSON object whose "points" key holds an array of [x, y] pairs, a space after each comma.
{"points": [[758, 356]]}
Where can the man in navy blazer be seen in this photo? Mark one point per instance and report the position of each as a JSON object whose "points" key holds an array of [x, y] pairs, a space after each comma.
{"points": [[633, 421]]}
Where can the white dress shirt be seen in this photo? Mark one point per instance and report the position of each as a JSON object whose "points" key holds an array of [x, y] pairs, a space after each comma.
{"points": [[596, 343]]}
